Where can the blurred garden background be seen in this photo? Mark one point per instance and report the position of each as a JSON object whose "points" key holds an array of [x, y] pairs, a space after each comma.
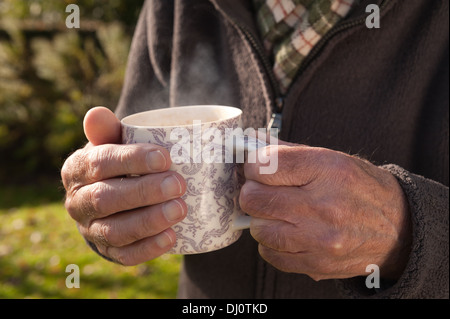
{"points": [[50, 76]]}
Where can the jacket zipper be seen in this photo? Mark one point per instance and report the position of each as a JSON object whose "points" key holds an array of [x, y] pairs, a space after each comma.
{"points": [[279, 99], [275, 120]]}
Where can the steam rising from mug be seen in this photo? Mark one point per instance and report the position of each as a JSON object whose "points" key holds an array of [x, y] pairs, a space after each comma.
{"points": [[197, 78]]}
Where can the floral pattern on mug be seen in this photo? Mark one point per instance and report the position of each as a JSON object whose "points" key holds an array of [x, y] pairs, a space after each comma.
{"points": [[212, 188]]}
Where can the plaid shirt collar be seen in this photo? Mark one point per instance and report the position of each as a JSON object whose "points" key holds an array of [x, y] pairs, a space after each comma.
{"points": [[291, 28]]}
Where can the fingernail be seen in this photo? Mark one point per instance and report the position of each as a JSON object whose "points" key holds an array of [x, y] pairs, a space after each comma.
{"points": [[163, 240], [173, 210], [156, 160], [171, 186]]}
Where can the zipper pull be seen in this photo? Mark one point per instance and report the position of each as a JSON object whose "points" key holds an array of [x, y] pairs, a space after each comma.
{"points": [[279, 103], [275, 121], [275, 124]]}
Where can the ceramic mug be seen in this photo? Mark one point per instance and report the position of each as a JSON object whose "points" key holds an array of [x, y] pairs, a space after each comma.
{"points": [[206, 143]]}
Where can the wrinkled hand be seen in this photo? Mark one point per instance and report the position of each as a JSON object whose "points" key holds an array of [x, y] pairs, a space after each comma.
{"points": [[327, 214], [127, 218]]}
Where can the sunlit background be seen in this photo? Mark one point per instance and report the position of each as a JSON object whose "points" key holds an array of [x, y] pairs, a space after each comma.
{"points": [[49, 77]]}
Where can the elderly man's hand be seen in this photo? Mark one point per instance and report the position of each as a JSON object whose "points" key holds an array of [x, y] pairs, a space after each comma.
{"points": [[128, 219], [327, 214]]}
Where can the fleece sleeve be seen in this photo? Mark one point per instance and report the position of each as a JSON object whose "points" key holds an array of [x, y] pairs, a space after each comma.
{"points": [[427, 272]]}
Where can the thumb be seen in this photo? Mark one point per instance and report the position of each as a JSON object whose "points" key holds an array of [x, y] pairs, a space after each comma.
{"points": [[293, 165], [101, 126]]}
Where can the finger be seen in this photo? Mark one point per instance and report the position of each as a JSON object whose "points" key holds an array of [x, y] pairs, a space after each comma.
{"points": [[101, 126], [272, 202], [107, 197], [302, 262], [102, 162], [290, 218], [143, 250], [284, 261], [278, 235], [124, 228], [296, 165], [313, 264]]}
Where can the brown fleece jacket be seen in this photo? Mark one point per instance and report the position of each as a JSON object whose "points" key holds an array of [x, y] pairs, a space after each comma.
{"points": [[379, 93]]}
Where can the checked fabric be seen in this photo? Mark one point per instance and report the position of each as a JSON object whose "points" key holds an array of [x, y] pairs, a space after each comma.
{"points": [[291, 28]]}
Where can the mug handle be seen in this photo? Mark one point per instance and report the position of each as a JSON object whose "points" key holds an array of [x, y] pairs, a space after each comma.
{"points": [[242, 222], [248, 144]]}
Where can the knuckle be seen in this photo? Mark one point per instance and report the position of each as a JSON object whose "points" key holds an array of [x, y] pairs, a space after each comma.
{"points": [[258, 200], [145, 228], [104, 233], [345, 168], [125, 257], [72, 171], [66, 173], [137, 233], [248, 201], [142, 191], [96, 198], [70, 206], [135, 195], [127, 155], [116, 254], [76, 208], [106, 251], [277, 239], [85, 203], [272, 202], [250, 198], [84, 232], [334, 244], [330, 210], [270, 235], [93, 160]]}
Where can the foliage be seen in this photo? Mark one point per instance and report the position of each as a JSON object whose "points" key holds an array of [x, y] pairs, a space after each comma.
{"points": [[50, 78], [51, 11]]}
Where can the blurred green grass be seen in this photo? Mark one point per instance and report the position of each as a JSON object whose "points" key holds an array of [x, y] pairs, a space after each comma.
{"points": [[38, 239]]}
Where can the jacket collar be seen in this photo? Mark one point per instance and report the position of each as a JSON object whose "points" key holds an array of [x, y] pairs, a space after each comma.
{"points": [[241, 11]]}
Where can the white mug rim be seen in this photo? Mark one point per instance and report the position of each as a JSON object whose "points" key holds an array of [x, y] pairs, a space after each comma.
{"points": [[234, 113]]}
